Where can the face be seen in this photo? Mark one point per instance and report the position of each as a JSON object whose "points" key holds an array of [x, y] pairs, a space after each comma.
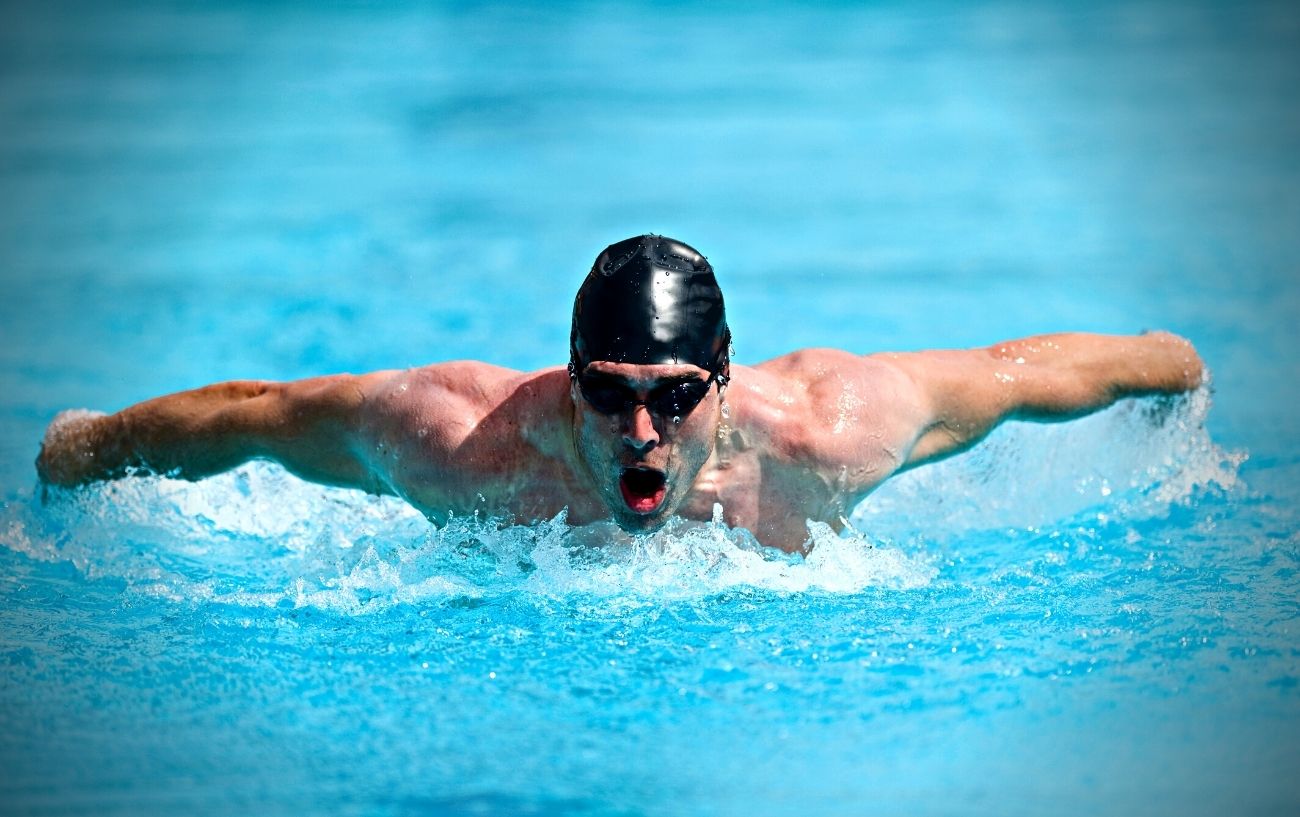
{"points": [[643, 432]]}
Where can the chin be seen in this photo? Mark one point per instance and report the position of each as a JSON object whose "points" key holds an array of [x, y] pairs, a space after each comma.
{"points": [[633, 522], [642, 498], [641, 523]]}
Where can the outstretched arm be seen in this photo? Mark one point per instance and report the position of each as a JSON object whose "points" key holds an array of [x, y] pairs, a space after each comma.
{"points": [[965, 394], [309, 426]]}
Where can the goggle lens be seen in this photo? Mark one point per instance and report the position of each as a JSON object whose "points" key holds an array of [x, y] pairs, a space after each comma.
{"points": [[669, 400]]}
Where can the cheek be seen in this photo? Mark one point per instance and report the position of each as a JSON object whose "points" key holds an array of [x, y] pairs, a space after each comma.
{"points": [[597, 433], [694, 437]]}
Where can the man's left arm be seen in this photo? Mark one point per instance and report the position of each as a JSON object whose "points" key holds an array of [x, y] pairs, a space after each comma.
{"points": [[1047, 378]]}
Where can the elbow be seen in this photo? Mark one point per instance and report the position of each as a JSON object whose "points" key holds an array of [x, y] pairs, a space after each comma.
{"points": [[1192, 367], [1180, 367], [76, 449]]}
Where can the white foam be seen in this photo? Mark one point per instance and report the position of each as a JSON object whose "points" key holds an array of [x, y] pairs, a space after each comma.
{"points": [[66, 422], [260, 537], [694, 559], [1134, 460]]}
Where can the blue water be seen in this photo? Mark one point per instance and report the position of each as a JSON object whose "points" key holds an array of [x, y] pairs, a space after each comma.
{"points": [[1099, 617]]}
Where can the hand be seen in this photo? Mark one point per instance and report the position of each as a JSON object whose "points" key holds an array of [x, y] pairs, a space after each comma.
{"points": [[68, 450]]}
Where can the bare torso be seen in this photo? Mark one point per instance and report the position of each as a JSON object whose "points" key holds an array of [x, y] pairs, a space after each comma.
{"points": [[798, 440]]}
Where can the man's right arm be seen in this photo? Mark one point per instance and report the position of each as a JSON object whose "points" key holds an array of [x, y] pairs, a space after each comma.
{"points": [[312, 427]]}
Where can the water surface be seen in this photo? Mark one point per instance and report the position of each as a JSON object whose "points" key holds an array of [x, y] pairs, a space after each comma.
{"points": [[1097, 617]]}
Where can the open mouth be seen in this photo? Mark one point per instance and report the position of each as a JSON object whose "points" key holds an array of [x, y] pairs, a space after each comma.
{"points": [[643, 488]]}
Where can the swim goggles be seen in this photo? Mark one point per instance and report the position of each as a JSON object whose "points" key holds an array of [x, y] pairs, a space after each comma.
{"points": [[674, 399]]}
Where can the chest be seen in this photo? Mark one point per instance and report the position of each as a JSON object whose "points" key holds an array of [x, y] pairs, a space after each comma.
{"points": [[493, 481], [772, 499]]}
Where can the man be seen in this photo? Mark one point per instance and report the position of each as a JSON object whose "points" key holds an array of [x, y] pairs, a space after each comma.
{"points": [[649, 420]]}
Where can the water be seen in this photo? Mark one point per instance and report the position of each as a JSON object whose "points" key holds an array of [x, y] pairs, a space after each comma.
{"points": [[1097, 617]]}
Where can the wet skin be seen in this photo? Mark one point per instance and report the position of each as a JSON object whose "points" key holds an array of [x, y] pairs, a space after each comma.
{"points": [[642, 460], [803, 437]]}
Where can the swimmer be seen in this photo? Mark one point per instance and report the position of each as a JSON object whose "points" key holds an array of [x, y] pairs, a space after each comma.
{"points": [[650, 418]]}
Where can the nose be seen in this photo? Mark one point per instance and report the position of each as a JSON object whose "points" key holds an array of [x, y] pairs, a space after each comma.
{"points": [[639, 432]]}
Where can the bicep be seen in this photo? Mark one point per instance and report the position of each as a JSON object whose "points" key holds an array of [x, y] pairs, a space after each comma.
{"points": [[871, 416], [960, 396], [965, 394], [953, 400], [312, 427]]}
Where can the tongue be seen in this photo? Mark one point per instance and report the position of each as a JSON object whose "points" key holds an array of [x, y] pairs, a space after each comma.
{"points": [[642, 491]]}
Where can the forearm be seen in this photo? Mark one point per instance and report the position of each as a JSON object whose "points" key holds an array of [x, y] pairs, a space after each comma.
{"points": [[963, 395], [1060, 376], [190, 434]]}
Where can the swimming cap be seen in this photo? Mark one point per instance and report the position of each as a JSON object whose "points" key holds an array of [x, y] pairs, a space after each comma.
{"points": [[647, 300]]}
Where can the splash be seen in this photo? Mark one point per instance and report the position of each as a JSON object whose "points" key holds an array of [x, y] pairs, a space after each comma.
{"points": [[690, 559], [1134, 460], [259, 537]]}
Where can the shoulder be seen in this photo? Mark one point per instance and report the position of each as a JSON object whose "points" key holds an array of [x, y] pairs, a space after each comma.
{"points": [[464, 393], [453, 425], [833, 384], [466, 385], [827, 368], [831, 407]]}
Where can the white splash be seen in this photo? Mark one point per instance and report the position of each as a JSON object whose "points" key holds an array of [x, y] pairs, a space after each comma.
{"points": [[260, 537], [1135, 459]]}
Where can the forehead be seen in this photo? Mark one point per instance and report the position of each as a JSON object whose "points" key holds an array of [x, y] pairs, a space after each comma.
{"points": [[645, 374]]}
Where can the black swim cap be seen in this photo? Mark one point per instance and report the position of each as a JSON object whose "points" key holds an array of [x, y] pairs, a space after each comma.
{"points": [[648, 300]]}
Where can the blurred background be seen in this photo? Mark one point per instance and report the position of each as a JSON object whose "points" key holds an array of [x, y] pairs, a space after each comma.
{"points": [[200, 191]]}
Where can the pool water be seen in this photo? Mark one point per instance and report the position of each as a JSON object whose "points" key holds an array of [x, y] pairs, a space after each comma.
{"points": [[1098, 617]]}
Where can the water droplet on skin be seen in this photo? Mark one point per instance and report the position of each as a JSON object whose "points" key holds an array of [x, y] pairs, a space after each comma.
{"points": [[677, 420], [726, 410]]}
